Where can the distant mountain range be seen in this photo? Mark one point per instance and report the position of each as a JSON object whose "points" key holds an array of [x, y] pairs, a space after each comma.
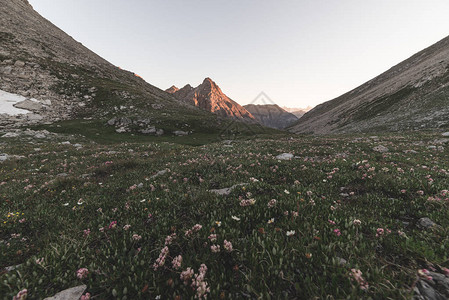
{"points": [[271, 115], [411, 95], [209, 96]]}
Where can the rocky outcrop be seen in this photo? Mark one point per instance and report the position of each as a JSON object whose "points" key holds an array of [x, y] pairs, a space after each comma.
{"points": [[411, 95], [68, 81], [271, 115], [209, 96]]}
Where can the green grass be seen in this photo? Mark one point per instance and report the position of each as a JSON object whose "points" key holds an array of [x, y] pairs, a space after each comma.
{"points": [[264, 263]]}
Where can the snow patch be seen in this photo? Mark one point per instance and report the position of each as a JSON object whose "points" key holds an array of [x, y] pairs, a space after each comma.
{"points": [[7, 101]]}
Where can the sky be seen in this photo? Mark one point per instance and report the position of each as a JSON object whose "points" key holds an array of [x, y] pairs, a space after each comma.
{"points": [[299, 52]]}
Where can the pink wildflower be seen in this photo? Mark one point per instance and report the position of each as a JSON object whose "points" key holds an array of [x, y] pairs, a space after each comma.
{"points": [[215, 248], [136, 237], [86, 296], [357, 276], [186, 275], [82, 273], [177, 261], [113, 224], [22, 295], [227, 245]]}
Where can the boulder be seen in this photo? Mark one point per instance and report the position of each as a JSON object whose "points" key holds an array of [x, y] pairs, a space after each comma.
{"points": [[74, 293], [381, 149], [180, 133], [29, 105], [445, 133], [285, 156], [226, 191], [19, 64], [426, 223]]}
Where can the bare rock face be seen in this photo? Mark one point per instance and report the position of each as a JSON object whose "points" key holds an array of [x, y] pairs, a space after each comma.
{"points": [[271, 115], [209, 96], [411, 95], [173, 89]]}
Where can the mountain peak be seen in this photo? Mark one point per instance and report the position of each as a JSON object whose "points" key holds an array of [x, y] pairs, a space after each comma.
{"points": [[209, 96], [173, 89]]}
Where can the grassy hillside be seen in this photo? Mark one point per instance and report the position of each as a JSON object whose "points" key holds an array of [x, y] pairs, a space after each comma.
{"points": [[339, 208]]}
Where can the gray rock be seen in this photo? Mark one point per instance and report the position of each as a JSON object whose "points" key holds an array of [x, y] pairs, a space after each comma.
{"points": [[10, 135], [121, 130], [77, 145], [3, 157], [426, 223], [381, 149], [160, 173], [159, 132], [436, 288], [12, 268], [226, 191], [285, 156], [180, 133], [29, 105], [112, 121], [19, 64], [149, 130], [445, 133], [70, 294]]}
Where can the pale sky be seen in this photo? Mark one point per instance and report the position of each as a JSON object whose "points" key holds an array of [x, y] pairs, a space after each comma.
{"points": [[299, 53]]}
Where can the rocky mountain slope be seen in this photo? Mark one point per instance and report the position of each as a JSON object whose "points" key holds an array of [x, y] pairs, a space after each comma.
{"points": [[209, 96], [411, 95], [57, 78], [271, 115]]}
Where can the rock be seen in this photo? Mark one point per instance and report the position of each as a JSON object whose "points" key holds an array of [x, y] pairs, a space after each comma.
{"points": [[121, 130], [341, 261], [160, 173], [227, 142], [19, 64], [77, 145], [180, 133], [149, 130], [29, 105], [381, 149], [65, 143], [74, 293], [157, 106], [436, 288], [445, 133], [226, 191], [159, 132], [112, 121], [10, 135], [426, 223], [431, 147], [3, 157], [285, 156], [12, 268], [40, 135]]}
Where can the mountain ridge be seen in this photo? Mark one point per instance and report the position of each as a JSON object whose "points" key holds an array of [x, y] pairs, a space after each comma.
{"points": [[408, 96], [208, 96]]}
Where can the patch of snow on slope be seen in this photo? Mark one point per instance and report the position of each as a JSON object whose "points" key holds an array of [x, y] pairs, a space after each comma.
{"points": [[7, 100]]}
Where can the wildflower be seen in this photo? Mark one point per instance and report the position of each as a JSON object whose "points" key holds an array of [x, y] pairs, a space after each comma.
{"points": [[424, 273], [160, 261], [80, 201], [66, 204], [331, 222], [40, 261], [403, 191], [357, 275], [22, 295], [227, 245], [82, 273], [420, 192], [86, 232], [22, 220], [291, 232], [136, 237], [446, 271], [176, 262], [86, 296], [309, 193], [169, 239], [271, 203], [215, 248], [286, 213], [186, 275], [113, 224], [309, 255], [337, 232], [295, 214], [212, 237], [379, 232], [356, 222], [247, 202], [287, 192], [235, 218], [126, 227], [270, 221], [262, 230], [218, 223]]}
